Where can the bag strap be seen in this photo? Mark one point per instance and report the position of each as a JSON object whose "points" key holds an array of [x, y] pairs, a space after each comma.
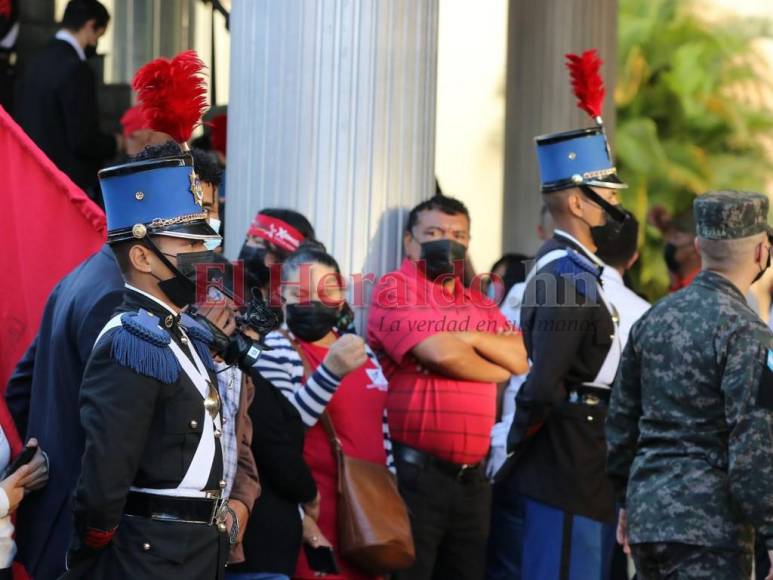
{"points": [[324, 418]]}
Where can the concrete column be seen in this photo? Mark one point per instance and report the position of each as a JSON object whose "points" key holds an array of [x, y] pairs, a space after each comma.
{"points": [[332, 113], [539, 95]]}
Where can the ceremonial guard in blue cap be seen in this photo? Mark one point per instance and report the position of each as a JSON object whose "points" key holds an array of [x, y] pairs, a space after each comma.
{"points": [[556, 444], [149, 503]]}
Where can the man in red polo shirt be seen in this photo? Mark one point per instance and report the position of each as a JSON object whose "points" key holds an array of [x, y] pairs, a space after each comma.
{"points": [[444, 348]]}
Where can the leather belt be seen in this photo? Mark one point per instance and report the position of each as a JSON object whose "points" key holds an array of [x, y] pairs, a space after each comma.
{"points": [[461, 472], [191, 510]]}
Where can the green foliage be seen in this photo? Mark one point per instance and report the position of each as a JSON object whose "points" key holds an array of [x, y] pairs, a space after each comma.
{"points": [[686, 118]]}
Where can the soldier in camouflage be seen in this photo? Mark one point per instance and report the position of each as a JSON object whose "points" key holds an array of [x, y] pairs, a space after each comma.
{"points": [[689, 440]]}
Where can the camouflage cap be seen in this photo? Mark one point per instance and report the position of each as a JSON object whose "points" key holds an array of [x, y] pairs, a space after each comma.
{"points": [[728, 215]]}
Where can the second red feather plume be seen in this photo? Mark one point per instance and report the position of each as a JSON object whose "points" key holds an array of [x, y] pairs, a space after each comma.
{"points": [[172, 94]]}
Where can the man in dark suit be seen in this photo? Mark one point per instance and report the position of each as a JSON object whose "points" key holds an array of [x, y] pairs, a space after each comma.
{"points": [[57, 100], [42, 396]]}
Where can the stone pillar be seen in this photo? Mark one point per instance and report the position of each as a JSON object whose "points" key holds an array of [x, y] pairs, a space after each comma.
{"points": [[332, 113], [539, 95]]}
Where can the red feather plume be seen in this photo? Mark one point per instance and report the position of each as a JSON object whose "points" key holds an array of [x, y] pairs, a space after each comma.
{"points": [[587, 84], [172, 94]]}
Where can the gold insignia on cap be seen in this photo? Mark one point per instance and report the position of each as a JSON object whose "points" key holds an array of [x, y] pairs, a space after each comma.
{"points": [[139, 195], [139, 231], [198, 193], [577, 178]]}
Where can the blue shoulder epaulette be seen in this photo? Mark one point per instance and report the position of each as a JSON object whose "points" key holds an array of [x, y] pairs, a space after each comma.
{"points": [[201, 337], [579, 269], [143, 346]]}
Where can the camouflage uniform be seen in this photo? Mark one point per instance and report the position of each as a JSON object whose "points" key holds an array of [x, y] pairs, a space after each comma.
{"points": [[689, 440]]}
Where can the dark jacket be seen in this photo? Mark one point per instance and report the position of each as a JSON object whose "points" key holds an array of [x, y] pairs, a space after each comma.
{"points": [[559, 448], [141, 432], [273, 536], [42, 396], [57, 107]]}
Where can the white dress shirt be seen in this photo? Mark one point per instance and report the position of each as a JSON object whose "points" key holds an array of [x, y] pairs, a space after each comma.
{"points": [[630, 306], [70, 39]]}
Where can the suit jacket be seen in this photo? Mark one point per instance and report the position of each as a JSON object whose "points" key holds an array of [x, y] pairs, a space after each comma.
{"points": [[57, 107], [559, 448], [42, 396]]}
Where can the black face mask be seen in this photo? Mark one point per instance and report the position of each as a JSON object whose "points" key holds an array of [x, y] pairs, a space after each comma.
{"points": [[761, 272], [179, 289], [608, 234], [90, 50], [312, 320], [441, 256], [255, 269]]}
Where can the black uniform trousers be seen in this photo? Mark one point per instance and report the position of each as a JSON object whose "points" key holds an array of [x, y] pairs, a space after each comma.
{"points": [[147, 549]]}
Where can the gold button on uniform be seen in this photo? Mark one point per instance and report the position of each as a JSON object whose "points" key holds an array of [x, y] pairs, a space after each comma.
{"points": [[183, 340], [222, 484], [194, 424], [221, 528], [139, 195], [146, 547], [217, 434]]}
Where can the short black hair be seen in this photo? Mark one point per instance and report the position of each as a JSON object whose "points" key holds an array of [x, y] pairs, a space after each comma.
{"points": [[79, 12], [204, 163], [294, 218], [165, 149], [618, 252], [448, 205], [121, 252], [310, 252], [206, 166], [515, 269]]}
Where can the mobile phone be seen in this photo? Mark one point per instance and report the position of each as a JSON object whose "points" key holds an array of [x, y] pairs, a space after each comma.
{"points": [[321, 559], [22, 459]]}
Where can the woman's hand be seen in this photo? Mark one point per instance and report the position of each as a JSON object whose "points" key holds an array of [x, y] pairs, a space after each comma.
{"points": [[345, 355], [312, 508], [13, 485], [312, 535]]}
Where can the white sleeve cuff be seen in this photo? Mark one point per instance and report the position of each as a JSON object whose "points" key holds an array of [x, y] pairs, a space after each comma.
{"points": [[4, 503]]}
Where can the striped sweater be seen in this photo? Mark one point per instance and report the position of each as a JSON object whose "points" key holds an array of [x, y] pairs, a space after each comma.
{"points": [[282, 366]]}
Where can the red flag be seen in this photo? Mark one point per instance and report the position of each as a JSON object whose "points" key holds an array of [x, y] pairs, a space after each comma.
{"points": [[47, 227]]}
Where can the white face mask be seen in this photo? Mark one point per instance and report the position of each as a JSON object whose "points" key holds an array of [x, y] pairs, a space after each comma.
{"points": [[214, 223]]}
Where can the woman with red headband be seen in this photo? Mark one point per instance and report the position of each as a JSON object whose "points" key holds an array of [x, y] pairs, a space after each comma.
{"points": [[274, 234]]}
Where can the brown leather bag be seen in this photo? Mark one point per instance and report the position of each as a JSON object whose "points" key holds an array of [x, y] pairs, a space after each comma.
{"points": [[374, 531]]}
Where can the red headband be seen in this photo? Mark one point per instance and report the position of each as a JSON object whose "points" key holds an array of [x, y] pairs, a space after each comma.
{"points": [[276, 231]]}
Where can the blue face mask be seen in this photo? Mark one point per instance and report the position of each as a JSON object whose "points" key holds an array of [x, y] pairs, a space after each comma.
{"points": [[215, 225]]}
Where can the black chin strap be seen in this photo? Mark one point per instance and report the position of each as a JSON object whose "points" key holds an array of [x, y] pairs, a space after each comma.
{"points": [[612, 210], [161, 256]]}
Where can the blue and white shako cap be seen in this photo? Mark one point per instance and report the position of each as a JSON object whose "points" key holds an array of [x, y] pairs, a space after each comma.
{"points": [[155, 197], [582, 156]]}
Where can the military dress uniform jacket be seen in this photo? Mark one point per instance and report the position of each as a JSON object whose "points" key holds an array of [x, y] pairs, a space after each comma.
{"points": [[689, 427], [557, 448], [142, 433]]}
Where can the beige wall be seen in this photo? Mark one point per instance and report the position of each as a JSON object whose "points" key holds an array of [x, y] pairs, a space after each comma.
{"points": [[470, 116]]}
